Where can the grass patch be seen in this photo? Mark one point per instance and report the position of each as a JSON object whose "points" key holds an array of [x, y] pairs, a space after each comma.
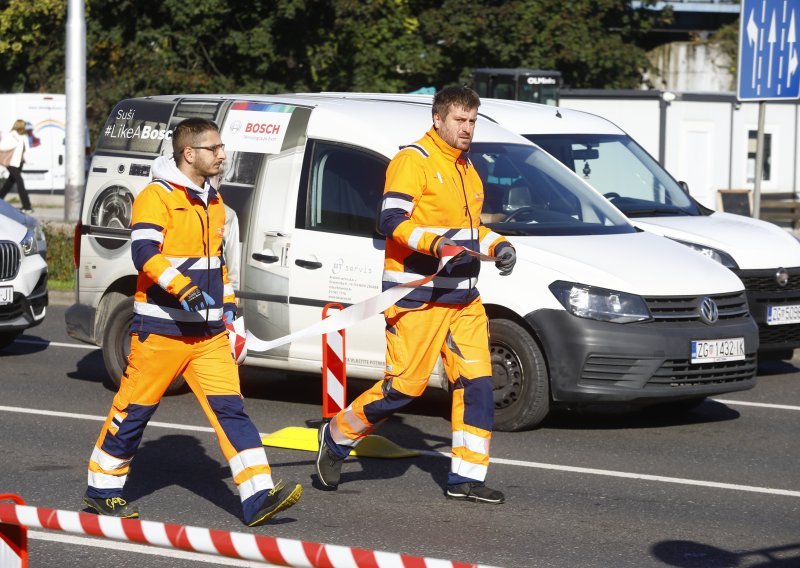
{"points": [[61, 271]]}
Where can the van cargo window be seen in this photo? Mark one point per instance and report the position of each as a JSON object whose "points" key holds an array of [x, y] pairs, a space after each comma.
{"points": [[137, 126], [346, 185]]}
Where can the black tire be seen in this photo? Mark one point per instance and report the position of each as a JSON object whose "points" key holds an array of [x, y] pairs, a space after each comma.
{"points": [[7, 338], [519, 376], [117, 345]]}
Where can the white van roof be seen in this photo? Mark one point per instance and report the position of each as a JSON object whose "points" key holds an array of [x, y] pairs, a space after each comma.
{"points": [[379, 125], [537, 118]]}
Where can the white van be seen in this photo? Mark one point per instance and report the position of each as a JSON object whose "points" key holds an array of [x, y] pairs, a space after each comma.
{"points": [[764, 256], [44, 169], [595, 311]]}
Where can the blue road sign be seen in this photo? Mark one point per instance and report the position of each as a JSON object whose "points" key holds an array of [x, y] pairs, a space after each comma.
{"points": [[769, 65]]}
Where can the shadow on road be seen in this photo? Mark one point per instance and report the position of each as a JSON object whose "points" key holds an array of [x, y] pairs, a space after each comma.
{"points": [[91, 368], [612, 417], [181, 460], [689, 554]]}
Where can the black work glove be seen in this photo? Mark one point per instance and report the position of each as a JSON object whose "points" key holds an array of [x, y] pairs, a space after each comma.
{"points": [[193, 299], [506, 261], [443, 242]]}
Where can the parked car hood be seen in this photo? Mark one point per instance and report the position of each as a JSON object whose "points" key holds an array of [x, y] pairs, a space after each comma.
{"points": [[753, 244]]}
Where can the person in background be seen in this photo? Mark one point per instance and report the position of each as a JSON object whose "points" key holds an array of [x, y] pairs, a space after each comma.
{"points": [[183, 301], [431, 208], [17, 141]]}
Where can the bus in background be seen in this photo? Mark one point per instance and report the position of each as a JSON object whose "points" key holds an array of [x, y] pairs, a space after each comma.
{"points": [[520, 84]]}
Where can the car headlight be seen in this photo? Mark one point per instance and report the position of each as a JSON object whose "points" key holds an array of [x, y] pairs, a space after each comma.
{"points": [[720, 256], [600, 303], [30, 242]]}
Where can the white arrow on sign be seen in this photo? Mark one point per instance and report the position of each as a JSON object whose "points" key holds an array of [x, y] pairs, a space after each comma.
{"points": [[792, 62], [752, 38], [771, 39]]}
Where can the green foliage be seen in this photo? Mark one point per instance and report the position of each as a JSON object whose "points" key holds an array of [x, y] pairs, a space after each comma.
{"points": [[727, 39], [147, 47], [60, 268]]}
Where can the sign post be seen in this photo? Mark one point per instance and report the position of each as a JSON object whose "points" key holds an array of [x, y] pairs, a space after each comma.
{"points": [[768, 64]]}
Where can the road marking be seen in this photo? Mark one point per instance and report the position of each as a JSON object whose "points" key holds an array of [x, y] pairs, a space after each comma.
{"points": [[758, 404], [56, 344], [144, 549], [432, 453]]}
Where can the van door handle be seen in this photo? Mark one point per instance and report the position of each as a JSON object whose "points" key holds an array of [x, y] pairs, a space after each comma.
{"points": [[268, 258], [308, 264]]}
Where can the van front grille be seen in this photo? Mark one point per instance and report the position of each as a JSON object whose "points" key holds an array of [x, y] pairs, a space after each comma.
{"points": [[680, 309]]}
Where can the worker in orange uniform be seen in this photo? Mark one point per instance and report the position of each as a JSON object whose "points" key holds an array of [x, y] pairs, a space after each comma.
{"points": [[432, 204], [183, 300]]}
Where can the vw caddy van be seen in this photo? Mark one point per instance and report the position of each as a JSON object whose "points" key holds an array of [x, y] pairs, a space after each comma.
{"points": [[596, 310], [764, 256]]}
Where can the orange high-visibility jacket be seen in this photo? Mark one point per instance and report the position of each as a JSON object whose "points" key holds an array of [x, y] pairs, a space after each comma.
{"points": [[432, 191], [177, 240]]}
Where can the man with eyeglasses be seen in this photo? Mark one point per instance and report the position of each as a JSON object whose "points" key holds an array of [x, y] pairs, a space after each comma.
{"points": [[183, 300]]}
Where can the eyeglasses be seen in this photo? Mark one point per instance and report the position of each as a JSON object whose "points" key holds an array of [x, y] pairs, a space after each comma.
{"points": [[215, 149]]}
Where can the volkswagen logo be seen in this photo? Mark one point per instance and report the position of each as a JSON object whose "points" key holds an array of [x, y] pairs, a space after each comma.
{"points": [[709, 311], [782, 277]]}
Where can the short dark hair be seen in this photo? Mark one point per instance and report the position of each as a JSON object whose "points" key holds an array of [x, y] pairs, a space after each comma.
{"points": [[187, 133], [461, 96]]}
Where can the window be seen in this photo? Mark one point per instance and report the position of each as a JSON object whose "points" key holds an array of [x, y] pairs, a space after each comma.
{"points": [[751, 156], [346, 186]]}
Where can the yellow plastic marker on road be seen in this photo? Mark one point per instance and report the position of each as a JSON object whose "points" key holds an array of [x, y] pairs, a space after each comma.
{"points": [[372, 446]]}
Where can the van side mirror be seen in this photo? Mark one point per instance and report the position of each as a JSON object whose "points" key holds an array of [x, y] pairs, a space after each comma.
{"points": [[684, 187]]}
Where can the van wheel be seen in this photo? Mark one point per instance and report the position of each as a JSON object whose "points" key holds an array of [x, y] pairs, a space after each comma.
{"points": [[519, 377], [117, 345]]}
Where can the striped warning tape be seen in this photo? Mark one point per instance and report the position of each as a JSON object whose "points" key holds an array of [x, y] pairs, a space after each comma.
{"points": [[364, 309], [278, 551]]}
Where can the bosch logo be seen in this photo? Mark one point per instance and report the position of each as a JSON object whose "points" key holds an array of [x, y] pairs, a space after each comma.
{"points": [[782, 277], [709, 311], [235, 127], [261, 128]]}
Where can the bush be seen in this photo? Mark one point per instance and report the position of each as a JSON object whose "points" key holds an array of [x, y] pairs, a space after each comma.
{"points": [[59, 256]]}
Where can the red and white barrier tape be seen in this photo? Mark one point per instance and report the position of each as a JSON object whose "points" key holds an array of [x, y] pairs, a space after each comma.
{"points": [[362, 310], [280, 551]]}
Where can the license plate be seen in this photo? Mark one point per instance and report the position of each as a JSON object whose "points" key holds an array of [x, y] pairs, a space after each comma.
{"points": [[716, 350], [6, 294], [781, 315]]}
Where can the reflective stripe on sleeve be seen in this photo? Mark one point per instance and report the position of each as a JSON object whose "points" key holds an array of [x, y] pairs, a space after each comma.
{"points": [[167, 276], [487, 241], [147, 235], [397, 203]]}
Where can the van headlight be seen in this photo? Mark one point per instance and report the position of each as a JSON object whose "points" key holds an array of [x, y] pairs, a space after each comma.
{"points": [[600, 303], [30, 242], [720, 256]]}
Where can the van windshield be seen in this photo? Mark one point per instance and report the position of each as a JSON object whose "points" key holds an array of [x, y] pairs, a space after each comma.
{"points": [[527, 192], [622, 171]]}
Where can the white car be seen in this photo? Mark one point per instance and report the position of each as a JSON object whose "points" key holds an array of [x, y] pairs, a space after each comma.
{"points": [[23, 273]]}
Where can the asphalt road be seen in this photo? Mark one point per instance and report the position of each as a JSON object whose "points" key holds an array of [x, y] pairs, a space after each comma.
{"points": [[715, 487]]}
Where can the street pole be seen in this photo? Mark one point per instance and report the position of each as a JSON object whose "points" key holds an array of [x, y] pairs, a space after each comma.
{"points": [[76, 109], [759, 160]]}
